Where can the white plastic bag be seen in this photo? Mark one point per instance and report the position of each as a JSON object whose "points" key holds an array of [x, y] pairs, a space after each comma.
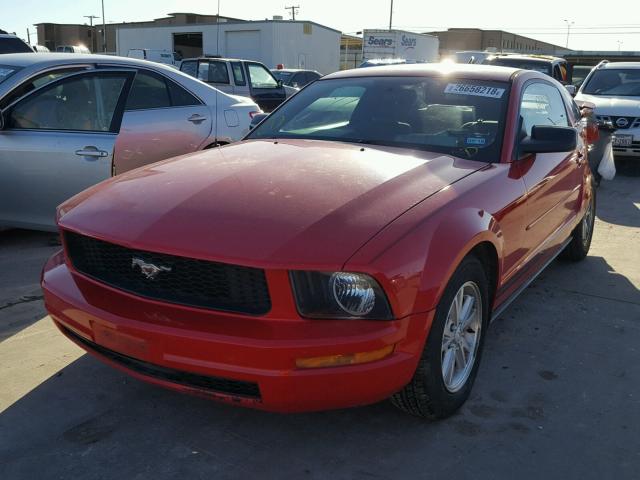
{"points": [[607, 167]]}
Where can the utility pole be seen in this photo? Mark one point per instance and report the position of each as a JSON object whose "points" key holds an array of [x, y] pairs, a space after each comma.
{"points": [[294, 10], [93, 31], [104, 30], [218, 30], [391, 16], [29, 37], [90, 17], [569, 24]]}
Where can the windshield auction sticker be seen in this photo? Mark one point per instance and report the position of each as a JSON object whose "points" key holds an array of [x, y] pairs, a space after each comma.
{"points": [[475, 90]]}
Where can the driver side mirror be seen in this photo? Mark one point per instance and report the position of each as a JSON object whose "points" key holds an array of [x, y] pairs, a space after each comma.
{"points": [[571, 89], [257, 118], [549, 139], [280, 83]]}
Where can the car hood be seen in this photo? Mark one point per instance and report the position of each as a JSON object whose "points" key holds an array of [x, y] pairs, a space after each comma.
{"points": [[617, 106], [263, 203]]}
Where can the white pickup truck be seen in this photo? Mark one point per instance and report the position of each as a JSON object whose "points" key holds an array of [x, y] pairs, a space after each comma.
{"points": [[240, 77]]}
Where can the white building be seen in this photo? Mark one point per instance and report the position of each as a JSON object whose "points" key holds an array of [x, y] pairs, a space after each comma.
{"points": [[295, 44]]}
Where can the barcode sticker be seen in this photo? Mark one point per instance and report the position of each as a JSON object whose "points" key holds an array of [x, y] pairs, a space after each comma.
{"points": [[475, 90]]}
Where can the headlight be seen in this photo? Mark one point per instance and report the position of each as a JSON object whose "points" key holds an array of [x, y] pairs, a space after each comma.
{"points": [[339, 295]]}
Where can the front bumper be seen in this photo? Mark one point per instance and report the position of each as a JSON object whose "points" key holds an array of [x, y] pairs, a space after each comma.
{"points": [[232, 358]]}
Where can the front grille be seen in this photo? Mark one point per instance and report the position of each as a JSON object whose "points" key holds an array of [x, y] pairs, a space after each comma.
{"points": [[215, 384], [169, 278], [621, 123]]}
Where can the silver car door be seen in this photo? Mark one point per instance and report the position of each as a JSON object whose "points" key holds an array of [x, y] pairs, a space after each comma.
{"points": [[56, 142], [161, 120]]}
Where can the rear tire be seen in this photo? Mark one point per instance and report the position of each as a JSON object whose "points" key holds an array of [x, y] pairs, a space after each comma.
{"points": [[581, 236], [444, 376]]}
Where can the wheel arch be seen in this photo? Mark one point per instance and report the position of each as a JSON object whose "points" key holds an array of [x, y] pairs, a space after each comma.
{"points": [[477, 233]]}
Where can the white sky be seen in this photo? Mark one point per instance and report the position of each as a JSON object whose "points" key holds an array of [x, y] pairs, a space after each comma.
{"points": [[596, 27]]}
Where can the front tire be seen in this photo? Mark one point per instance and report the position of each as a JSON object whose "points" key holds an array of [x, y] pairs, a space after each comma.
{"points": [[581, 236], [449, 363]]}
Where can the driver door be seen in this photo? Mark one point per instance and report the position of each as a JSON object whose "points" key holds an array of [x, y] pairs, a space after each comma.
{"points": [[57, 141], [265, 89], [552, 179]]}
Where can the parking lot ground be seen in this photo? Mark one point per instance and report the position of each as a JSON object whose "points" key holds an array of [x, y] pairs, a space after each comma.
{"points": [[557, 395]]}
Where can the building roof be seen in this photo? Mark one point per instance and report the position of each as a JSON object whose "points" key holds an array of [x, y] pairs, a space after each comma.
{"points": [[204, 24]]}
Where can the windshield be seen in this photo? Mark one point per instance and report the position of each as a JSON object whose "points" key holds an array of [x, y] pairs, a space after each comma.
{"points": [[459, 117], [6, 71], [542, 67], [617, 82]]}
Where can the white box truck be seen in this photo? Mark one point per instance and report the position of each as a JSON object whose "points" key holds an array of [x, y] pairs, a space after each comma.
{"points": [[399, 44]]}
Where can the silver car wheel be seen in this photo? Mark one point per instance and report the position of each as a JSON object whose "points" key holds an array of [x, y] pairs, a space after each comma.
{"points": [[461, 337]]}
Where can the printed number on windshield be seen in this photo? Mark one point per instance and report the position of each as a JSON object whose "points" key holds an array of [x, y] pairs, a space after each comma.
{"points": [[476, 90]]}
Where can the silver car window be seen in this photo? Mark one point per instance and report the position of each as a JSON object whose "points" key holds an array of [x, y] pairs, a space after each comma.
{"points": [[36, 82], [149, 90], [85, 103]]}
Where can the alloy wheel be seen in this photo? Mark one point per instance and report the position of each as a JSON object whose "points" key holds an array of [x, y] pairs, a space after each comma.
{"points": [[461, 337]]}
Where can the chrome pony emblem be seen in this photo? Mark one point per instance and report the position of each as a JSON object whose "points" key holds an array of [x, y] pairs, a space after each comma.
{"points": [[149, 270]]}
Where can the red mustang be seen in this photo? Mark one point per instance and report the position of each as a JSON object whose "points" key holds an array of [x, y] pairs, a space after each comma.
{"points": [[353, 247]]}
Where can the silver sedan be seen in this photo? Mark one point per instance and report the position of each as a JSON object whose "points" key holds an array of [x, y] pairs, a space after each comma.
{"points": [[70, 121]]}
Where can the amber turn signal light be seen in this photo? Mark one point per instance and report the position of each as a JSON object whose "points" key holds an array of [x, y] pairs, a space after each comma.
{"points": [[345, 359]]}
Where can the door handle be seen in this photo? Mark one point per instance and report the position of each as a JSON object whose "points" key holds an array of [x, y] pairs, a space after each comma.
{"points": [[196, 118], [91, 152]]}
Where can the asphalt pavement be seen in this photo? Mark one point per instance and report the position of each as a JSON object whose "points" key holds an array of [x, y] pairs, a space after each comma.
{"points": [[557, 394]]}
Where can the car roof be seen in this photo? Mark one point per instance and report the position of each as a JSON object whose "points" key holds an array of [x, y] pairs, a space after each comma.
{"points": [[52, 59], [458, 70], [619, 65], [224, 59], [535, 58], [292, 70]]}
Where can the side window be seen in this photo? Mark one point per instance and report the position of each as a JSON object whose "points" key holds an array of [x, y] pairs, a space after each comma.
{"points": [[556, 73], [203, 71], [190, 68], [542, 104], [180, 97], [218, 72], [238, 74], [149, 90], [34, 83], [260, 77], [82, 103]]}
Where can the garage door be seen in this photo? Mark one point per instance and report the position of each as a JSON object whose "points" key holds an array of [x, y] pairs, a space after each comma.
{"points": [[243, 44]]}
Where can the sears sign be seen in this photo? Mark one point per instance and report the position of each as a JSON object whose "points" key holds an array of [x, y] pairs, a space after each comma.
{"points": [[408, 43], [380, 42]]}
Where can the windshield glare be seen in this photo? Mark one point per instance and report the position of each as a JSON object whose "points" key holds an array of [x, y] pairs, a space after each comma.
{"points": [[459, 117], [618, 82]]}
